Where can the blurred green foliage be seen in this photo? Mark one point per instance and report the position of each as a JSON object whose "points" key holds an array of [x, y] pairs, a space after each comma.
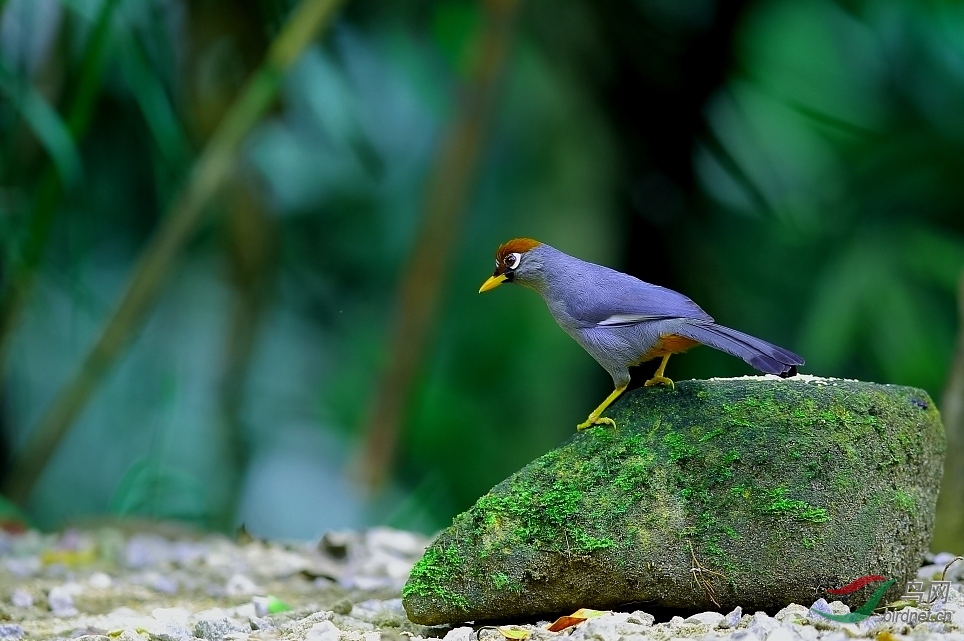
{"points": [[793, 166]]}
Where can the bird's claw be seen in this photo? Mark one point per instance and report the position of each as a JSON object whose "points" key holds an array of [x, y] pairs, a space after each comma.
{"points": [[660, 380], [595, 420]]}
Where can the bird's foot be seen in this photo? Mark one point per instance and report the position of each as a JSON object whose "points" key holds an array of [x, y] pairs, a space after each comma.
{"points": [[595, 420], [660, 380]]}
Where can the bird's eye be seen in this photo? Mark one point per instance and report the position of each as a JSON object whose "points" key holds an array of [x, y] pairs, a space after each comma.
{"points": [[512, 260]]}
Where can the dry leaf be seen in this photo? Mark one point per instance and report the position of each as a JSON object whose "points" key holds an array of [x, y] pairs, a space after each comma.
{"points": [[586, 613], [562, 623], [513, 632]]}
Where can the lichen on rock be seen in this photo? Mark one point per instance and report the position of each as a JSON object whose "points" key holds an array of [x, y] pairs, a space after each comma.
{"points": [[772, 489]]}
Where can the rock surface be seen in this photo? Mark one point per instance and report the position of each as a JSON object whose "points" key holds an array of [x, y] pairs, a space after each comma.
{"points": [[754, 492]]}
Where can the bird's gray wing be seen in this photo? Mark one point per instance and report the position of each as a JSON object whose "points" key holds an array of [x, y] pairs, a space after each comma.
{"points": [[602, 296]]}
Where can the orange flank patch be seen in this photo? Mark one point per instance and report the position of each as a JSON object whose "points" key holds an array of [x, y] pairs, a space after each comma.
{"points": [[668, 344], [515, 246]]}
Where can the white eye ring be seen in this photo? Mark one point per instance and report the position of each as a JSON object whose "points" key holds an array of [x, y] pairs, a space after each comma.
{"points": [[512, 260]]}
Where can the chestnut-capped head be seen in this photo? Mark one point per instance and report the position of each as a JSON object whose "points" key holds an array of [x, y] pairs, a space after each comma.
{"points": [[511, 262]]}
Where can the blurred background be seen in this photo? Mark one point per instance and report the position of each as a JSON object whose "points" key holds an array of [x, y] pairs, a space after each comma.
{"points": [[242, 250]]}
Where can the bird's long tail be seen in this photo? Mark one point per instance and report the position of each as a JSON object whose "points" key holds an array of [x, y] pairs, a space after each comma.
{"points": [[758, 353]]}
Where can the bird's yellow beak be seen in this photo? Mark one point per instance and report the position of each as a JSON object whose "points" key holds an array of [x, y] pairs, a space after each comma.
{"points": [[492, 283]]}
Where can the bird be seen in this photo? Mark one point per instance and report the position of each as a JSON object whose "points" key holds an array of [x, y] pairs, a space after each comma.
{"points": [[623, 321]]}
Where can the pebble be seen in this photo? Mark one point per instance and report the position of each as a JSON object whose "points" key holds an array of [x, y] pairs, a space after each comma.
{"points": [[710, 619], [23, 567], [100, 581], [61, 600], [791, 613], [21, 598], [459, 634], [10, 632], [240, 585], [216, 629], [782, 634], [762, 625], [732, 619], [324, 631], [641, 618]]}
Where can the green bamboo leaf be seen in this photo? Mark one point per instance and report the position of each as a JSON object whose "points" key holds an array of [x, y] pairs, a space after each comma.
{"points": [[159, 113], [46, 124]]}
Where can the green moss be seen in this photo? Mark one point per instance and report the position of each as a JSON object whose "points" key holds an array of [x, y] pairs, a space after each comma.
{"points": [[501, 581], [717, 432], [905, 501], [433, 573], [677, 447], [799, 510]]}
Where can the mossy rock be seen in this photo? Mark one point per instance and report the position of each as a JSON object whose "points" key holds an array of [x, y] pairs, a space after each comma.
{"points": [[777, 489]]}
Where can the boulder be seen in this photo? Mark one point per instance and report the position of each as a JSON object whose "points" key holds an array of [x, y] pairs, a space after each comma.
{"points": [[755, 492]]}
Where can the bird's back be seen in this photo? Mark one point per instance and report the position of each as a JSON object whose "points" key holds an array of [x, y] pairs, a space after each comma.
{"points": [[592, 294]]}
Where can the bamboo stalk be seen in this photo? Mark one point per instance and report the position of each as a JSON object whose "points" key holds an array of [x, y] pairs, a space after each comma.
{"points": [[420, 288], [949, 522], [209, 174]]}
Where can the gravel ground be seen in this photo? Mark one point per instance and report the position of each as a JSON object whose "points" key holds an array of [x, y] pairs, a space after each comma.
{"points": [[173, 585]]}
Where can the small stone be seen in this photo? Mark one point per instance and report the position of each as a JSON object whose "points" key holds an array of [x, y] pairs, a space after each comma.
{"points": [[782, 634], [260, 604], [23, 567], [732, 619], [958, 618], [171, 633], [762, 625], [806, 632], [601, 628], [791, 612], [744, 635], [350, 624], [216, 629], [324, 631], [259, 623], [944, 558], [342, 606], [459, 634], [839, 607], [164, 584], [383, 614], [641, 618], [21, 598], [61, 600], [99, 581], [240, 585], [711, 619], [10, 632]]}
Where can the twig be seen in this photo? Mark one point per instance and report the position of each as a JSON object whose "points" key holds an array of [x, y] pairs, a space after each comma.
{"points": [[699, 572], [420, 287], [949, 564], [208, 176]]}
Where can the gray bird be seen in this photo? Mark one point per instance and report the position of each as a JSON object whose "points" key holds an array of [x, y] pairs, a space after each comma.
{"points": [[622, 321]]}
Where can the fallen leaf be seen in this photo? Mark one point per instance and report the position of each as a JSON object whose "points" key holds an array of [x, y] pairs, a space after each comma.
{"points": [[562, 623], [70, 558], [586, 613], [513, 632]]}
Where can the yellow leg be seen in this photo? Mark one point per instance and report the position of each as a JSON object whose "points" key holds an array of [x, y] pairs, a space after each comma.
{"points": [[594, 418], [658, 378]]}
